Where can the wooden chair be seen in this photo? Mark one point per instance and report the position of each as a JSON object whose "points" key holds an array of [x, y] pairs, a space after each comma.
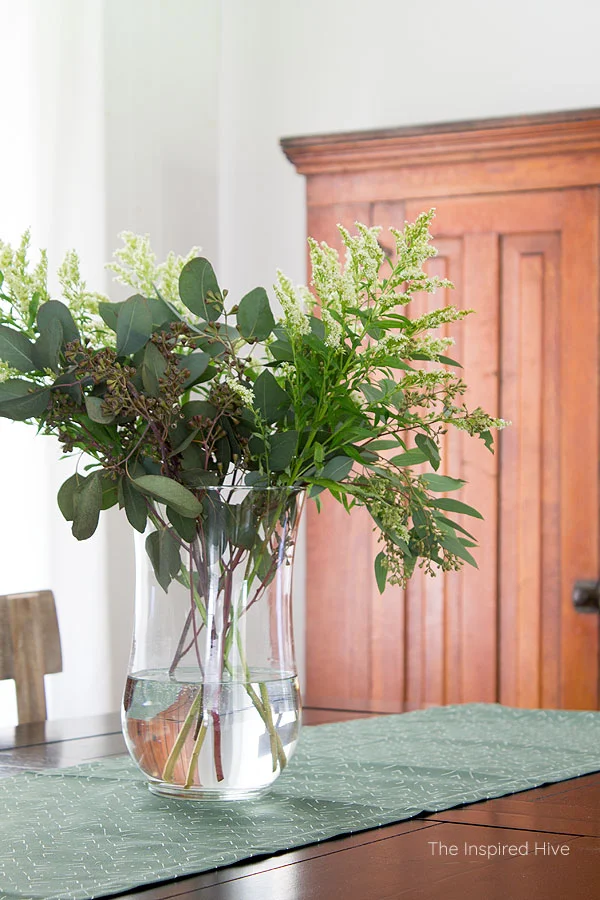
{"points": [[29, 649]]}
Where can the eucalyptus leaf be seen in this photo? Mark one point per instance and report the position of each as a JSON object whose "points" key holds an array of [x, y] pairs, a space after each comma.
{"points": [[136, 506], [198, 408], [87, 503], [170, 492], [254, 317], [186, 528], [199, 289], [162, 313], [134, 325], [109, 312], [163, 550], [154, 366], [27, 406], [97, 412], [16, 350], [46, 350], [65, 496], [15, 388], [67, 383], [55, 311], [196, 363], [110, 490]]}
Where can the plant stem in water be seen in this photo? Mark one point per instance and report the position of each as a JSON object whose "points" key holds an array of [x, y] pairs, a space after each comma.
{"points": [[175, 753]]}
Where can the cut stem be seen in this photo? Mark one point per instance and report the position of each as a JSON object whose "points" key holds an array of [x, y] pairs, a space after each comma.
{"points": [[196, 751], [175, 753]]}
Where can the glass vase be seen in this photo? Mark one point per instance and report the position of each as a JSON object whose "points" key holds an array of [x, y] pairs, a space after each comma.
{"points": [[211, 708]]}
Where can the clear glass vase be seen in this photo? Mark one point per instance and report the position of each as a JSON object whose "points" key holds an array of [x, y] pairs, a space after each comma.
{"points": [[211, 708]]}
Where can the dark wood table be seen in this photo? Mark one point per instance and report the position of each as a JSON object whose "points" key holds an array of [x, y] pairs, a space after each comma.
{"points": [[543, 843]]}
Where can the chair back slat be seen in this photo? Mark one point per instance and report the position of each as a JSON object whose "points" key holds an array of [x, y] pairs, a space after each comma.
{"points": [[29, 648]]}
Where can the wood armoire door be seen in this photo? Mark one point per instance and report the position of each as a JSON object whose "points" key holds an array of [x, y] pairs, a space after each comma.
{"points": [[527, 262]]}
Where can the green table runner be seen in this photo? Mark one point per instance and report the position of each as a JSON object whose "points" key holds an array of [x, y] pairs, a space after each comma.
{"points": [[94, 830]]}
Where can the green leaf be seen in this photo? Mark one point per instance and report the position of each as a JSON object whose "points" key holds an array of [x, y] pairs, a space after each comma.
{"points": [[136, 507], [381, 571], [110, 490], [134, 325], [163, 550], [442, 483], [95, 409], [382, 445], [170, 492], [15, 388], [270, 399], [46, 350], [337, 469], [161, 312], [429, 448], [254, 317], [109, 312], [199, 289], [65, 496], [372, 392], [283, 448], [67, 383], [281, 351], [16, 350], [196, 363], [411, 458], [392, 362], [198, 408], [454, 545], [448, 362], [457, 506], [19, 404], [185, 527], [488, 440], [55, 311], [154, 366], [87, 503], [448, 523]]}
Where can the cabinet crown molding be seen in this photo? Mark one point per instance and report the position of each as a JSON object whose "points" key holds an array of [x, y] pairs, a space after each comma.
{"points": [[576, 131]]}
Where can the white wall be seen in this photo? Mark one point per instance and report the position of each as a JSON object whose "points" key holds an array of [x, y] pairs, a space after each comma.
{"points": [[112, 119], [165, 116]]}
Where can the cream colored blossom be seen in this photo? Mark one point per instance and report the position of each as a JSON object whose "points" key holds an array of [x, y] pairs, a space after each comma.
{"points": [[20, 283], [333, 330], [295, 318], [365, 254], [7, 372], [135, 264], [244, 393]]}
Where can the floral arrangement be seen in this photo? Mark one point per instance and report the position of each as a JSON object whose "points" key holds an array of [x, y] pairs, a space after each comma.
{"points": [[176, 389]]}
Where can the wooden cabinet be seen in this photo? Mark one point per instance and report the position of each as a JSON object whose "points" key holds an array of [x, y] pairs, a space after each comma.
{"points": [[517, 227]]}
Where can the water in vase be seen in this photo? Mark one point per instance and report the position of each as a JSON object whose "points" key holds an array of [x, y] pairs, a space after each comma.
{"points": [[230, 739]]}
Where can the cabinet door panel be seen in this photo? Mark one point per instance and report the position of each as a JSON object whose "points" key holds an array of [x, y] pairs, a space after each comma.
{"points": [[527, 263]]}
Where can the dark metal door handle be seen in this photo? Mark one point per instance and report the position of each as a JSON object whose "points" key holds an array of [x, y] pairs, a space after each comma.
{"points": [[586, 596]]}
